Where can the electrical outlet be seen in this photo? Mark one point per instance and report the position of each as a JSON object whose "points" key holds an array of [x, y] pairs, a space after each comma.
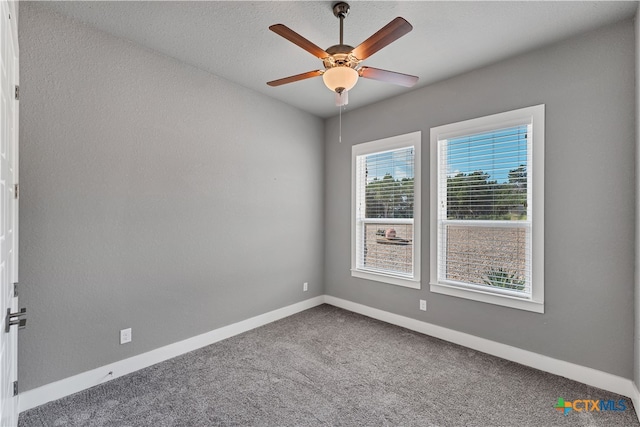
{"points": [[423, 305], [305, 287], [125, 336]]}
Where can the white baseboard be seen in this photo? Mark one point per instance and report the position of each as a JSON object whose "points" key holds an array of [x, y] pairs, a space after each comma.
{"points": [[56, 390], [589, 376]]}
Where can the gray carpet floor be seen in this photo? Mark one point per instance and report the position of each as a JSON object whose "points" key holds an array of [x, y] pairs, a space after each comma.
{"points": [[328, 366]]}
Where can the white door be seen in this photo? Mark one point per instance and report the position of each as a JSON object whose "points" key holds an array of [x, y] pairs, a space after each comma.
{"points": [[8, 209]]}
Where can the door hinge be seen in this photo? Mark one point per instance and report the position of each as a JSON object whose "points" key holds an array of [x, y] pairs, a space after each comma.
{"points": [[17, 318], [15, 388], [16, 191], [17, 93], [15, 289]]}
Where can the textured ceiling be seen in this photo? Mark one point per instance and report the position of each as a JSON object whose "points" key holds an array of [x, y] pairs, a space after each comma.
{"points": [[231, 39]]}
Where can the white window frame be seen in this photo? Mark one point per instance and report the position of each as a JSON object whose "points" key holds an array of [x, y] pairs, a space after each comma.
{"points": [[414, 140], [533, 116]]}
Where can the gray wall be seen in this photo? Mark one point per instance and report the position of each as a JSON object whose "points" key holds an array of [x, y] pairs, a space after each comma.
{"points": [[587, 84], [154, 196]]}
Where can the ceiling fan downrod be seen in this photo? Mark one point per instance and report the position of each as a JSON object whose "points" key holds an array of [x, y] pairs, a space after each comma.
{"points": [[341, 10]]}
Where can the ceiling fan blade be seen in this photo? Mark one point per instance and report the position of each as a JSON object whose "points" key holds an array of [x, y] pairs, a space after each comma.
{"points": [[385, 36], [388, 76], [297, 39], [295, 78]]}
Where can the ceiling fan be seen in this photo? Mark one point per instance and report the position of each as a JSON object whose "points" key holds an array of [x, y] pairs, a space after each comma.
{"points": [[342, 62]]}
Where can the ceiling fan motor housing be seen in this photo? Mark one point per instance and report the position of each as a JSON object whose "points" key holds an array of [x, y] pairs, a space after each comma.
{"points": [[340, 57]]}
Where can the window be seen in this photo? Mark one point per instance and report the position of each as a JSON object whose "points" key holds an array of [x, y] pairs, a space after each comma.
{"points": [[487, 209], [385, 210]]}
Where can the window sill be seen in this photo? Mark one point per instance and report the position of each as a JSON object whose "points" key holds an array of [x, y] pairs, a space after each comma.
{"points": [[392, 280], [488, 297]]}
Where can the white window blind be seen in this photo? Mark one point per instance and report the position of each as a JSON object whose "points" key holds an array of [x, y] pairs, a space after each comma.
{"points": [[385, 203], [485, 215]]}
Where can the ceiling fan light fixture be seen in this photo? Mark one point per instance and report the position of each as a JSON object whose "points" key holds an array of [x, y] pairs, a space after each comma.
{"points": [[341, 78]]}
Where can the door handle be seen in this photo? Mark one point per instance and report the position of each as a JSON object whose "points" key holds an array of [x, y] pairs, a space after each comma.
{"points": [[15, 319]]}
